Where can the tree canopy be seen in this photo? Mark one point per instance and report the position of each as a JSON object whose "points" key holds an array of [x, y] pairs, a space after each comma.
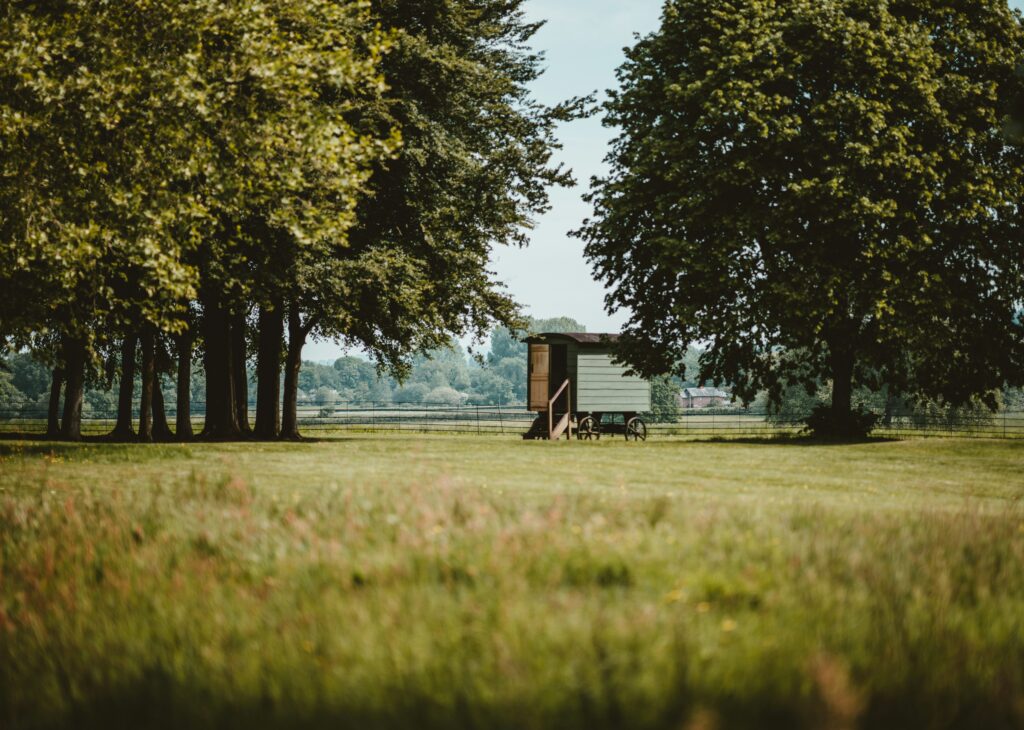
{"points": [[818, 189], [169, 169]]}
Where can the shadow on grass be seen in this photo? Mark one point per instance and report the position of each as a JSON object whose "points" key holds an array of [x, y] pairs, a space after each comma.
{"points": [[804, 441], [38, 447], [155, 702], [676, 440], [21, 444]]}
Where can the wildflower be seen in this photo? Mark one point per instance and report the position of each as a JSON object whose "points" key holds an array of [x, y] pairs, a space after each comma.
{"points": [[703, 607], [728, 625], [675, 596]]}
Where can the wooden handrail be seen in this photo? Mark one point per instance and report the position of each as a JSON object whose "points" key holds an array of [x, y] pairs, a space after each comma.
{"points": [[568, 410]]}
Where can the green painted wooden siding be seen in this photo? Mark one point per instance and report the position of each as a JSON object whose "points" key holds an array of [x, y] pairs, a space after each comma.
{"points": [[601, 385]]}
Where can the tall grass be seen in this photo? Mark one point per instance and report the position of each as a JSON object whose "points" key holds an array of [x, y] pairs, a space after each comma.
{"points": [[382, 583]]}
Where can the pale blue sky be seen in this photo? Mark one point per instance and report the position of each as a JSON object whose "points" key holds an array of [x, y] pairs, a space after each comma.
{"points": [[583, 42]]}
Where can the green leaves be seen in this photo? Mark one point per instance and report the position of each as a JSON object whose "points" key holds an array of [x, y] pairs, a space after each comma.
{"points": [[783, 173], [138, 139], [353, 161], [471, 173]]}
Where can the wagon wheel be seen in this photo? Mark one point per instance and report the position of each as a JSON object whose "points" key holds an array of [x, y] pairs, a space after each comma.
{"points": [[636, 429], [589, 428]]}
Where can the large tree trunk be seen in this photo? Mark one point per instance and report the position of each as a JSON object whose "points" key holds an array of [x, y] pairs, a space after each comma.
{"points": [[126, 390], [74, 389], [268, 373], [183, 418], [53, 412], [293, 363], [241, 377], [161, 429], [890, 407], [148, 382], [842, 361], [221, 417]]}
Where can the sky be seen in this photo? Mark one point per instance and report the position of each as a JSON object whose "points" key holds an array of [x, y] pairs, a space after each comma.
{"points": [[583, 42]]}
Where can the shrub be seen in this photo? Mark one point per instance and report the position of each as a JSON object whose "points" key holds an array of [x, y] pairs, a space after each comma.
{"points": [[857, 424], [445, 396]]}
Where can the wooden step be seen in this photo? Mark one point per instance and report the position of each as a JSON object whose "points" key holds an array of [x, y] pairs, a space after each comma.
{"points": [[560, 427]]}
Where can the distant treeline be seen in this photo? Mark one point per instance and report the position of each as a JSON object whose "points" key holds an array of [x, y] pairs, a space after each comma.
{"points": [[445, 376], [451, 376]]}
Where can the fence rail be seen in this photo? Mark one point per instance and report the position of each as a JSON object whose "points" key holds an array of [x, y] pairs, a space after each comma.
{"points": [[514, 419]]}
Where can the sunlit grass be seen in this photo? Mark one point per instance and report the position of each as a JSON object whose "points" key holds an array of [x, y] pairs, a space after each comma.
{"points": [[483, 582]]}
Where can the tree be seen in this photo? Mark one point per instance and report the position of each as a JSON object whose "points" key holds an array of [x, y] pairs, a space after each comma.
{"points": [[503, 378], [472, 172], [147, 147], [123, 429], [11, 399], [443, 367], [508, 343], [273, 85], [665, 399], [167, 168], [444, 396], [817, 189], [88, 228], [412, 393]]}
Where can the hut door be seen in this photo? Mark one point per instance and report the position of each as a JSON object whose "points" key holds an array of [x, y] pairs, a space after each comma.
{"points": [[559, 370], [539, 368]]}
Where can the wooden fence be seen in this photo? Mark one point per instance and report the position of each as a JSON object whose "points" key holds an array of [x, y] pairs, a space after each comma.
{"points": [[514, 420]]}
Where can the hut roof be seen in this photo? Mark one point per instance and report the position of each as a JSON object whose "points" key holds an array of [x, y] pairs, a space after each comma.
{"points": [[582, 338]]}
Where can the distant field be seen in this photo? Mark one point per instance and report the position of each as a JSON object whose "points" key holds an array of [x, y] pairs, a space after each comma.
{"points": [[418, 581]]}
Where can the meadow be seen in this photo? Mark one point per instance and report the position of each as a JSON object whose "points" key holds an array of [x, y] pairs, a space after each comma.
{"points": [[429, 581]]}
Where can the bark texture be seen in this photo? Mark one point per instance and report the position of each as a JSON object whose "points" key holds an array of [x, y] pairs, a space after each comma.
{"points": [[842, 385], [221, 416], [161, 429], [53, 411], [74, 364], [148, 383], [123, 429], [183, 418], [297, 333], [239, 353], [268, 373]]}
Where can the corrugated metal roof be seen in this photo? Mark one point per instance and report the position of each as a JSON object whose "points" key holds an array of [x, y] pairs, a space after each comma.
{"points": [[583, 338]]}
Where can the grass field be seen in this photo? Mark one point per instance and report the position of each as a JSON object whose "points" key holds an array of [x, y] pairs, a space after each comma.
{"points": [[461, 582]]}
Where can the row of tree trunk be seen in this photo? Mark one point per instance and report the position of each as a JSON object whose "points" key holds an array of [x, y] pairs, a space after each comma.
{"points": [[225, 361]]}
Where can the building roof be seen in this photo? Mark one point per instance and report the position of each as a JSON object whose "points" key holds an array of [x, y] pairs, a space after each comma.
{"points": [[582, 338], [705, 393]]}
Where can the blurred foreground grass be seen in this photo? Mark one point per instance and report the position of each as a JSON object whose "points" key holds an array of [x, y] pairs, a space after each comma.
{"points": [[450, 582]]}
